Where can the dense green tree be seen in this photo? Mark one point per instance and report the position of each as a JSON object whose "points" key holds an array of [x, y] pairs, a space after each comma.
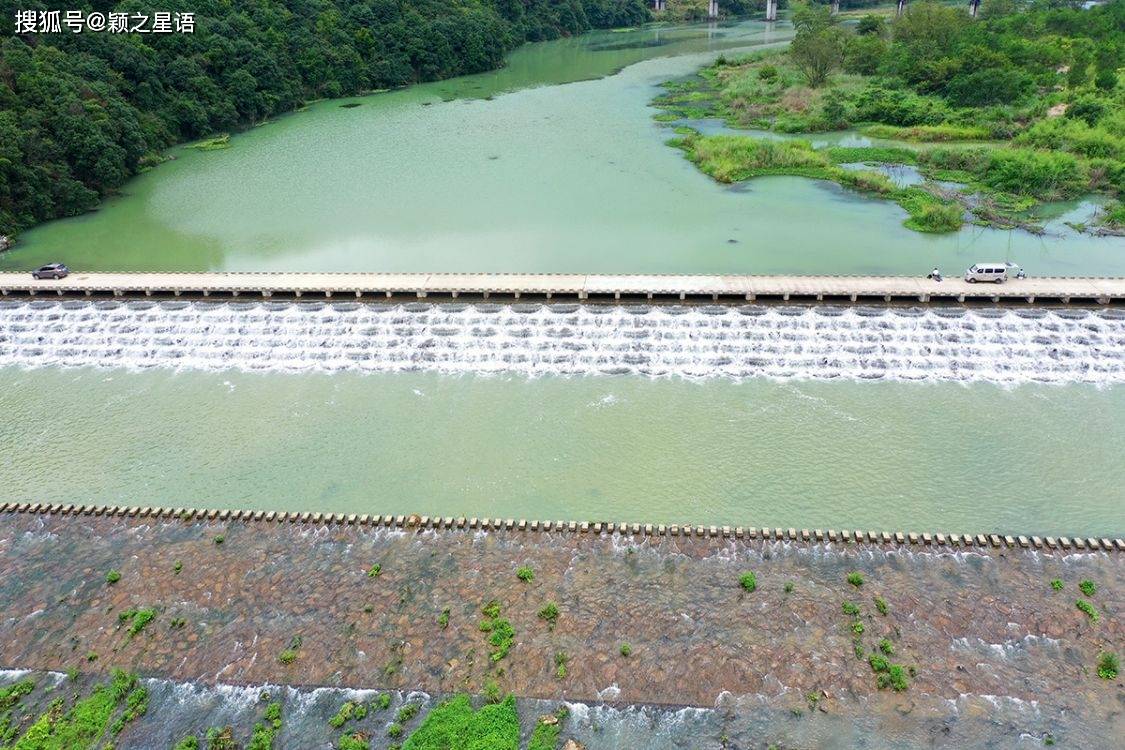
{"points": [[81, 113]]}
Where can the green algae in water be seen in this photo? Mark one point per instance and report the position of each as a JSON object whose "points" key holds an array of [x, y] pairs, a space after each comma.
{"points": [[454, 723]]}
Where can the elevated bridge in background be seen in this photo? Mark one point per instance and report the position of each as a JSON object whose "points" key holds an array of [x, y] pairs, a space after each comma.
{"points": [[656, 288]]}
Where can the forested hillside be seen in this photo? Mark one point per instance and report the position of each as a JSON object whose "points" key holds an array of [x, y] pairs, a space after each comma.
{"points": [[81, 113]]}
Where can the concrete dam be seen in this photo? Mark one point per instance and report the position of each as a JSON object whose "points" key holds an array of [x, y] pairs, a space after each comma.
{"points": [[918, 343]]}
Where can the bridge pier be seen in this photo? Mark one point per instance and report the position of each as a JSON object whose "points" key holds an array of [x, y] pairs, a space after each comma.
{"points": [[713, 9], [974, 7], [659, 5], [900, 7], [771, 10]]}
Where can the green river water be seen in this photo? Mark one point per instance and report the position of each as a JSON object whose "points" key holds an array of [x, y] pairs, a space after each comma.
{"points": [[552, 164]]}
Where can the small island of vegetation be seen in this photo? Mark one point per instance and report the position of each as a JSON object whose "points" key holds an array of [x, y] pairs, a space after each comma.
{"points": [[1000, 114]]}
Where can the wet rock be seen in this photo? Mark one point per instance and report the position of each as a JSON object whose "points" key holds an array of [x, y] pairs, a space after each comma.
{"points": [[573, 745], [549, 719], [5, 242]]}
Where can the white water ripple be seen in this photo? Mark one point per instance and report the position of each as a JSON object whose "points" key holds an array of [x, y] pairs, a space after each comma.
{"points": [[824, 342]]}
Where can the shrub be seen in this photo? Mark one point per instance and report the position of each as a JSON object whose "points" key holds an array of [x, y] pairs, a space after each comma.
{"points": [[850, 609], [881, 605], [549, 613], [767, 73], [1087, 587], [394, 730], [219, 539], [1044, 175], [288, 656], [1108, 665], [443, 619], [988, 86], [886, 646], [375, 571], [855, 579], [137, 619], [1057, 584], [525, 574], [748, 581], [1088, 608], [407, 712], [112, 577], [561, 660], [626, 650], [878, 663], [789, 587]]}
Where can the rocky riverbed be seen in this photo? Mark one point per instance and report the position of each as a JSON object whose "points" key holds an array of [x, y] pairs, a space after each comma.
{"points": [[655, 643]]}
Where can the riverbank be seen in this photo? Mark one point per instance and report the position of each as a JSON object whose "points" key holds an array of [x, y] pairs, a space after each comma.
{"points": [[992, 147], [576, 617]]}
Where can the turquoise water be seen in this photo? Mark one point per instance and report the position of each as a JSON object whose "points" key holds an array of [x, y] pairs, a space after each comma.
{"points": [[830, 454]]}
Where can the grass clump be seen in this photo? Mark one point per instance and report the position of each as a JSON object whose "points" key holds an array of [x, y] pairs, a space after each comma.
{"points": [[355, 741], [881, 605], [265, 731], [525, 574], [501, 633], [1057, 584], [177, 567], [375, 571], [395, 730], [855, 579], [546, 734], [626, 650], [886, 646], [407, 712], [112, 577], [383, 702], [289, 655], [454, 724], [561, 659], [219, 539], [1108, 665], [350, 710], [748, 581], [443, 618], [1088, 608], [1087, 587], [187, 743], [550, 614], [850, 609], [137, 619]]}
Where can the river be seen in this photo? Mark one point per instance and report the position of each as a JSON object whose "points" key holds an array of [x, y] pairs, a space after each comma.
{"points": [[876, 419], [552, 164]]}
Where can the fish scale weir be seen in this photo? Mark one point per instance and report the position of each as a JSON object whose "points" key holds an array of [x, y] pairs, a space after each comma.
{"points": [[1004, 346]]}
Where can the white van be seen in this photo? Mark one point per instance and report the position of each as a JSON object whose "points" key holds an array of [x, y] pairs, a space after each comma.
{"points": [[997, 272]]}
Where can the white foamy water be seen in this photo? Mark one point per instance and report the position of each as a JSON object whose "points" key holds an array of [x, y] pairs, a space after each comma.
{"points": [[1007, 347]]}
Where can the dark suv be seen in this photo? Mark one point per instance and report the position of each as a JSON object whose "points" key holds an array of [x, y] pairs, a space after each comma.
{"points": [[51, 271]]}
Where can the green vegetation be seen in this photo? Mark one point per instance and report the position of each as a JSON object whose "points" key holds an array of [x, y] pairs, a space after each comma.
{"points": [[561, 660], [454, 723], [855, 579], [443, 618], [177, 567], [375, 571], [550, 614], [84, 726], [886, 646], [395, 730], [383, 702], [1108, 665], [748, 581], [289, 655], [546, 735], [626, 650], [219, 539], [355, 741], [350, 710], [1088, 588], [525, 574], [1035, 85], [112, 577], [81, 113], [789, 586], [137, 619], [1057, 584], [265, 731], [187, 743], [221, 738], [850, 609], [501, 633], [1088, 608], [881, 605], [407, 712], [218, 143]]}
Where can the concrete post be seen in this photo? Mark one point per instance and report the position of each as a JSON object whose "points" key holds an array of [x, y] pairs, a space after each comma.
{"points": [[901, 7], [835, 7], [771, 10], [658, 5], [974, 6], [713, 9]]}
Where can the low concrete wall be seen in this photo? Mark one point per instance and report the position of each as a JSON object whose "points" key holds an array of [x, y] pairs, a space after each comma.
{"points": [[581, 287], [414, 521]]}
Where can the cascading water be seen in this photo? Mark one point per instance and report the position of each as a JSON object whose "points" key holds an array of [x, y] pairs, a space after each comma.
{"points": [[1007, 347]]}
